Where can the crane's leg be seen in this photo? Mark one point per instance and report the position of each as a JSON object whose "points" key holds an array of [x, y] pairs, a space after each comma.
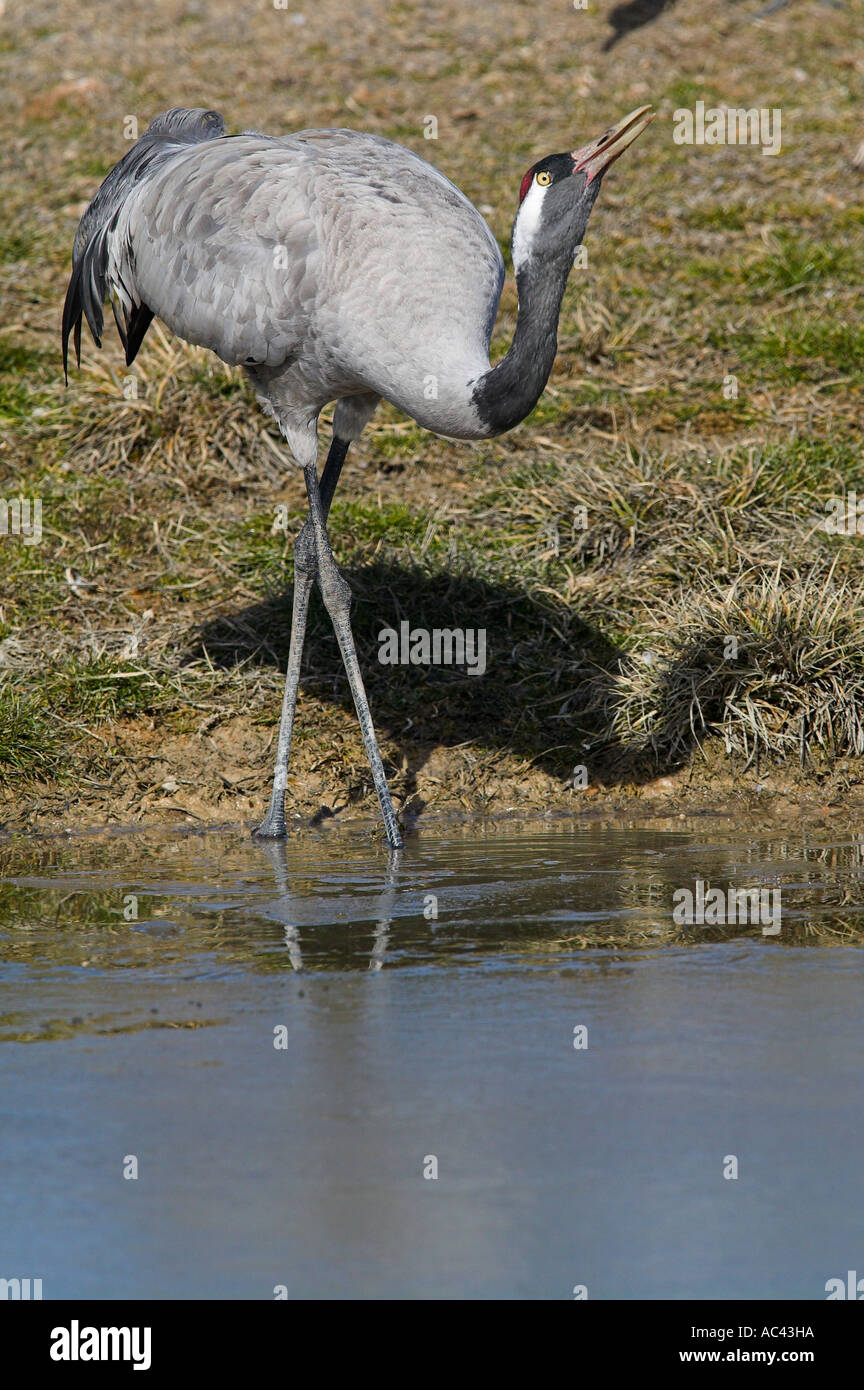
{"points": [[337, 600], [305, 569]]}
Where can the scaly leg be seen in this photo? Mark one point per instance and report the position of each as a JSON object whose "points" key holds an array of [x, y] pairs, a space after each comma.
{"points": [[305, 569], [337, 600]]}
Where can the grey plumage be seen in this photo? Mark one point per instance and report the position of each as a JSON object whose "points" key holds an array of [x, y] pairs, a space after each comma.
{"points": [[333, 266], [161, 141], [265, 250]]}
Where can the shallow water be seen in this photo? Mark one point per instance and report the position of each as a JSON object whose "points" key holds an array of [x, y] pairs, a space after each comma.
{"points": [[143, 978]]}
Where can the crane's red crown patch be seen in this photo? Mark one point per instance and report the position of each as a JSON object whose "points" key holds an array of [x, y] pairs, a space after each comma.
{"points": [[526, 183]]}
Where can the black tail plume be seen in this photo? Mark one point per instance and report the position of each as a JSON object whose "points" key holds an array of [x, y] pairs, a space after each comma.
{"points": [[88, 286]]}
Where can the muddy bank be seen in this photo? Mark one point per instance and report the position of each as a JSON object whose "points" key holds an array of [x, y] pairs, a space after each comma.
{"points": [[222, 777]]}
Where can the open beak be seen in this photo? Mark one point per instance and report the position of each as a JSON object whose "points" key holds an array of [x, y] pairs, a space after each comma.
{"points": [[602, 152]]}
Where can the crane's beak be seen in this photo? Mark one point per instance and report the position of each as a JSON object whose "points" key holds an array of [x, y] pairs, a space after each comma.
{"points": [[603, 151]]}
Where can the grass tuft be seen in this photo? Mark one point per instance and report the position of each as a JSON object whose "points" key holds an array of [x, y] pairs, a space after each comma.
{"points": [[773, 665]]}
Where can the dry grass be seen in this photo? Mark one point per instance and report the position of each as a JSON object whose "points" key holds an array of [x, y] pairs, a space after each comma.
{"points": [[140, 643], [773, 665]]}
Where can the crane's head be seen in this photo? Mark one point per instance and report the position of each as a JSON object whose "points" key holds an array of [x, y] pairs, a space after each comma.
{"points": [[558, 193]]}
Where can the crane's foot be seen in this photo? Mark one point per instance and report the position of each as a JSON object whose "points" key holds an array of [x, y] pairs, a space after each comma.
{"points": [[271, 830], [273, 826]]}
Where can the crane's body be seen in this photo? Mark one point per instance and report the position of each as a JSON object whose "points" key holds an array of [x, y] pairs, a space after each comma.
{"points": [[272, 245], [333, 266]]}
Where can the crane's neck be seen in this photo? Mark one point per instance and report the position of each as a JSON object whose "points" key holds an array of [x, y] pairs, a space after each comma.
{"points": [[510, 391]]}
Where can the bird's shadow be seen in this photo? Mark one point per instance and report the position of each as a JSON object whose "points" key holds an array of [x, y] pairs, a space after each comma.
{"points": [[546, 694], [631, 15], [624, 19]]}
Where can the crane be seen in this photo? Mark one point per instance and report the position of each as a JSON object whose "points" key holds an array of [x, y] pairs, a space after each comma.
{"points": [[333, 265]]}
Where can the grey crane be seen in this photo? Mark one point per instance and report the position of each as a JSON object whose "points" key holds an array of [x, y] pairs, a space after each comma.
{"points": [[333, 265]]}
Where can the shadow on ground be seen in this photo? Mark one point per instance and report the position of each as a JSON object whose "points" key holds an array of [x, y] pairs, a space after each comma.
{"points": [[547, 694]]}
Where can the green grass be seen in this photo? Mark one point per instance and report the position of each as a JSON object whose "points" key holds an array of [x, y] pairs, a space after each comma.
{"points": [[685, 91], [807, 349], [723, 217], [22, 374], [799, 264], [400, 444], [103, 689], [17, 245], [29, 741]]}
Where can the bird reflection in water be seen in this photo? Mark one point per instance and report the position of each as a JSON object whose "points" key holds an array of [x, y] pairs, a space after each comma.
{"points": [[293, 909]]}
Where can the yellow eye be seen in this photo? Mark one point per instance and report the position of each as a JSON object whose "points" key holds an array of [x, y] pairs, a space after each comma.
{"points": [[544, 178]]}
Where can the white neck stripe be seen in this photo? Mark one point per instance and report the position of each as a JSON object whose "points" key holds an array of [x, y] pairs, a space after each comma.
{"points": [[527, 222]]}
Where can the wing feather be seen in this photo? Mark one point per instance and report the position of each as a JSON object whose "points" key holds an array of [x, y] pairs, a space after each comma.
{"points": [[172, 132]]}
